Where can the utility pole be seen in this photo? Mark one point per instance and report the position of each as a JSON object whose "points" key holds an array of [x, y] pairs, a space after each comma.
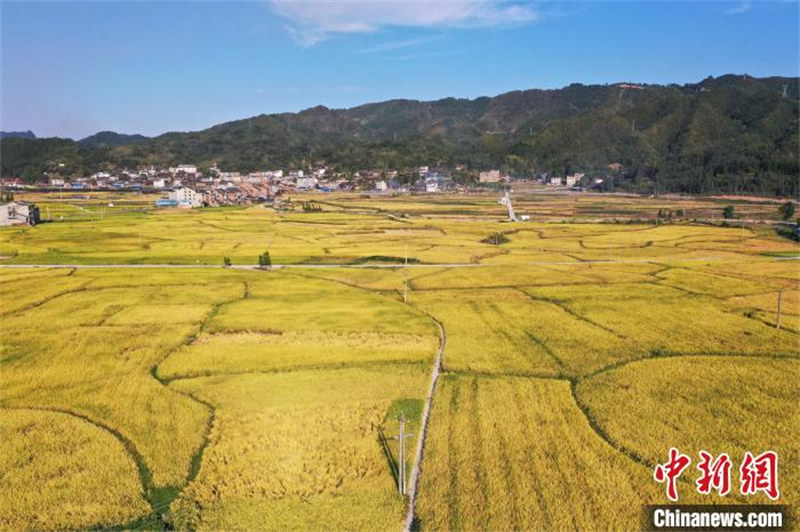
{"points": [[405, 277], [780, 304], [401, 478], [401, 466]]}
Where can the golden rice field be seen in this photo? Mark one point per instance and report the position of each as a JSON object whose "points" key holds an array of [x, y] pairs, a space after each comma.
{"points": [[189, 396]]}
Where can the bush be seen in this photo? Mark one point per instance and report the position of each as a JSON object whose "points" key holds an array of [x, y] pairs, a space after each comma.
{"points": [[727, 212], [496, 239], [786, 210], [264, 261]]}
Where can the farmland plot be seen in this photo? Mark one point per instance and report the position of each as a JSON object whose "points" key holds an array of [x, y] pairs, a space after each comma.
{"points": [[298, 450], [231, 399], [95, 356], [84, 476], [509, 332], [657, 319], [517, 454], [720, 404], [114, 342]]}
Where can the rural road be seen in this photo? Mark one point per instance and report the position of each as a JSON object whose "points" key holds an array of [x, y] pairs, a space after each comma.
{"points": [[386, 266]]}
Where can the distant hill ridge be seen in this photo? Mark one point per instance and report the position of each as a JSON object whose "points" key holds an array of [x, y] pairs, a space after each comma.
{"points": [[17, 134], [734, 133], [110, 138]]}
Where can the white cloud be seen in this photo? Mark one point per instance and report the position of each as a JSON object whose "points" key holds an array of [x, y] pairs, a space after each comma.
{"points": [[309, 22], [397, 45], [743, 7]]}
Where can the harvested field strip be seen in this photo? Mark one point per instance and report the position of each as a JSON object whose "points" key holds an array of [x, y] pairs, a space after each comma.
{"points": [[283, 351]]}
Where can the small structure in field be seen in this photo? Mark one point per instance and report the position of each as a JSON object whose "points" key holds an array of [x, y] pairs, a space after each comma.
{"points": [[506, 200], [19, 213]]}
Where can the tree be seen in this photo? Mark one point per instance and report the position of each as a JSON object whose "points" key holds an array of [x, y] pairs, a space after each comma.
{"points": [[264, 261], [727, 212], [226, 261], [786, 210]]}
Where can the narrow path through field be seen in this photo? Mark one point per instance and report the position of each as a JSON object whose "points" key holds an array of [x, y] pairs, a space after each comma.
{"points": [[423, 431]]}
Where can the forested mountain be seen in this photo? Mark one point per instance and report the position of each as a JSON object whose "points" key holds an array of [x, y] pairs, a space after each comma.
{"points": [[727, 134], [110, 138], [19, 134]]}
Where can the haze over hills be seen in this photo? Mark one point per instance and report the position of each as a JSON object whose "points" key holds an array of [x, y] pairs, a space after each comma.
{"points": [[728, 134]]}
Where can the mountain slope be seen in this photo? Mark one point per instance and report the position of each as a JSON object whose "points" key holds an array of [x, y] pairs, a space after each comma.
{"points": [[731, 134]]}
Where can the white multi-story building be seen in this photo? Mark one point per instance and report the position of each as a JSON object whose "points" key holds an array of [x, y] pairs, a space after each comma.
{"points": [[381, 186], [187, 197]]}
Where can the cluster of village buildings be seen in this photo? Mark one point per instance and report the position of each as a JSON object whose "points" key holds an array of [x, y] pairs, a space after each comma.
{"points": [[569, 180], [185, 186]]}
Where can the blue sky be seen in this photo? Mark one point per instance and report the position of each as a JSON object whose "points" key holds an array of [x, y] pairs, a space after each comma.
{"points": [[72, 69]]}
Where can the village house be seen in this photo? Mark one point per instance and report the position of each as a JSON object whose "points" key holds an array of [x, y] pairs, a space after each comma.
{"points": [[19, 213], [183, 169], [489, 176], [234, 177], [305, 183], [573, 179]]}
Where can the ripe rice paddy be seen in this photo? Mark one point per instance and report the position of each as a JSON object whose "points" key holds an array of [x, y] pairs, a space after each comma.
{"points": [[209, 398]]}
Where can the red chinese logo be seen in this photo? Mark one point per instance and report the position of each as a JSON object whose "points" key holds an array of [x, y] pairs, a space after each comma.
{"points": [[671, 470], [760, 474], [716, 474], [757, 474]]}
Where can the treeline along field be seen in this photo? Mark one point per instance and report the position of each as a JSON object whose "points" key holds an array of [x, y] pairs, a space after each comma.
{"points": [[211, 398]]}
